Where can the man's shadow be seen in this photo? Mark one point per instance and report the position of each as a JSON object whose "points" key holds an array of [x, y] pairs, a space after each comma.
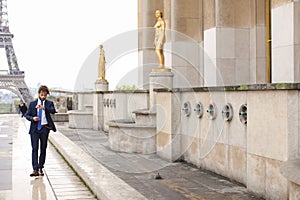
{"points": [[38, 189]]}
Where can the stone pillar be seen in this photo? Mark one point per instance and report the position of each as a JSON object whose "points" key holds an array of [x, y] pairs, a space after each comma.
{"points": [[159, 80], [185, 42], [285, 41], [101, 85], [226, 42], [258, 42], [146, 21], [98, 118], [168, 138], [80, 101]]}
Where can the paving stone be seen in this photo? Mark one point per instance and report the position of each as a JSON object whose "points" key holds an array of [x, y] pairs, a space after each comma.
{"points": [[180, 180], [6, 163], [13, 128], [6, 179], [65, 183]]}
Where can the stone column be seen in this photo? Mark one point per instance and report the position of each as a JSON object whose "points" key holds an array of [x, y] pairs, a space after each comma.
{"points": [[98, 118], [185, 42], [159, 80], [285, 41], [226, 42], [168, 138], [146, 21], [258, 42]]}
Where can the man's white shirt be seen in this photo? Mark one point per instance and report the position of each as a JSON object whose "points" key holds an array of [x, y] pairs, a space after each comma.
{"points": [[44, 120]]}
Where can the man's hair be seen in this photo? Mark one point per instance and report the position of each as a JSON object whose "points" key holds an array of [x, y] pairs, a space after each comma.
{"points": [[43, 88]]}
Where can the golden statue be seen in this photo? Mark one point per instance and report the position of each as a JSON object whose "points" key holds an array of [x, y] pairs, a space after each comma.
{"points": [[101, 65], [160, 38]]}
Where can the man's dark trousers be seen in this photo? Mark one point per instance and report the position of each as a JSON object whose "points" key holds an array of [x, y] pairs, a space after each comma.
{"points": [[42, 136]]}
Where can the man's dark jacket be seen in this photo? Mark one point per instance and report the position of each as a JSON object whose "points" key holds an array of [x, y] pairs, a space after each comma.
{"points": [[32, 112]]}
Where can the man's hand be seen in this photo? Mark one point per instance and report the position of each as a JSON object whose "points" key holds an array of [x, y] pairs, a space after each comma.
{"points": [[39, 107], [36, 119]]}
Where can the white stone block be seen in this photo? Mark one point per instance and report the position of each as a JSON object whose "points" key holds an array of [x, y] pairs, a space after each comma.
{"points": [[210, 71], [226, 71], [282, 32], [187, 77], [237, 132], [283, 64], [132, 138], [80, 119], [256, 175], [267, 124], [242, 43], [261, 71], [210, 43], [225, 46], [98, 112], [279, 190], [217, 159], [242, 68], [168, 126], [237, 161], [186, 53]]}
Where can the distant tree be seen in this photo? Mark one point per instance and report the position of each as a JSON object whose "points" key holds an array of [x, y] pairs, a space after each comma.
{"points": [[126, 87]]}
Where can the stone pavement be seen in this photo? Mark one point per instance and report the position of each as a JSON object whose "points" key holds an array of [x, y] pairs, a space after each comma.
{"points": [[180, 180], [59, 182]]}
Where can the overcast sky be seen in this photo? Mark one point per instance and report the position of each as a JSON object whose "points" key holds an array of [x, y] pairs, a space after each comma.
{"points": [[54, 38]]}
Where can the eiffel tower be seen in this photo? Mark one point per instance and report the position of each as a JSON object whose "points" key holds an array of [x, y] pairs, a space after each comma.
{"points": [[12, 79]]}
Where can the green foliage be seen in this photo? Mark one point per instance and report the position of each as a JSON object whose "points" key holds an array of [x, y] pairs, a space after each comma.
{"points": [[283, 85], [5, 108], [126, 87], [244, 87]]}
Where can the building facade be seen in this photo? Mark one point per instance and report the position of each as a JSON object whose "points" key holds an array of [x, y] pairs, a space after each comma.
{"points": [[224, 42]]}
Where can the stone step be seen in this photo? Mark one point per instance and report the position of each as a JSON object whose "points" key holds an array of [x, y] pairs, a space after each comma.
{"points": [[80, 119], [145, 117], [60, 117], [129, 137]]}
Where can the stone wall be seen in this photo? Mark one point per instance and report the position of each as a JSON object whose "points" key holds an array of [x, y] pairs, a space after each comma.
{"points": [[120, 105], [84, 101], [106, 106], [249, 153]]}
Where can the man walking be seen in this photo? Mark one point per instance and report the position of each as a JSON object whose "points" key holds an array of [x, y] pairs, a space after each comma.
{"points": [[22, 108], [38, 114]]}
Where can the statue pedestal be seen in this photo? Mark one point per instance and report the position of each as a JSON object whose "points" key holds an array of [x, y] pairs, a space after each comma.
{"points": [[101, 85], [161, 70], [159, 78]]}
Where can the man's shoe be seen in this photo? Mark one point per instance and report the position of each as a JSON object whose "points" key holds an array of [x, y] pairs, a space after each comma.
{"points": [[41, 172], [35, 173]]}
